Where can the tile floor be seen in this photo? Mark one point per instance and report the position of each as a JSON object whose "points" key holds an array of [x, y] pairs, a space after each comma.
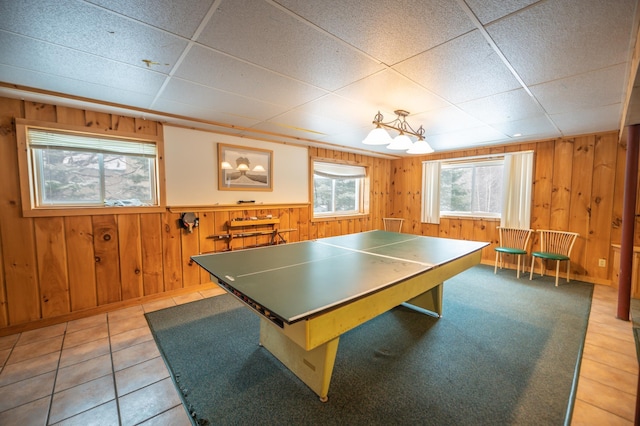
{"points": [[106, 370]]}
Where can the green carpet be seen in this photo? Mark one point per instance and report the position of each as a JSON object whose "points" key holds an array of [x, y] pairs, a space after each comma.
{"points": [[505, 352]]}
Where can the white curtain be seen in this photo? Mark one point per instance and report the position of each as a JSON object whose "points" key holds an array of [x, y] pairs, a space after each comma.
{"points": [[517, 187], [431, 192]]}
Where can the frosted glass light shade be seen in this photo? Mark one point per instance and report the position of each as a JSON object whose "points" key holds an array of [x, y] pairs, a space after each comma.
{"points": [[377, 136], [420, 147], [400, 143]]}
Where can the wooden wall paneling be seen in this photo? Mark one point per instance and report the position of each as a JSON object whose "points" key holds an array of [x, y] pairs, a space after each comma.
{"points": [[105, 246], [599, 238], [444, 230], [151, 245], [81, 262], [172, 255], [19, 254], [618, 194], [206, 227], [189, 242], [220, 227], [97, 120], [336, 227], [71, 116], [4, 315], [147, 127], [542, 187], [304, 223], [455, 228], [294, 223], [123, 124], [52, 266], [40, 111], [581, 183], [130, 251], [561, 184]]}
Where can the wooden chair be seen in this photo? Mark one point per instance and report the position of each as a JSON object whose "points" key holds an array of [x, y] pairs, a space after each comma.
{"points": [[392, 224], [512, 241], [554, 245]]}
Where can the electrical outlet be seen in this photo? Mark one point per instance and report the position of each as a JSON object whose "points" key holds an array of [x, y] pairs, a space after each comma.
{"points": [[602, 263]]}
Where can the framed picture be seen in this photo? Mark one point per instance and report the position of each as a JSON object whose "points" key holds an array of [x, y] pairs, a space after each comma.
{"points": [[244, 169]]}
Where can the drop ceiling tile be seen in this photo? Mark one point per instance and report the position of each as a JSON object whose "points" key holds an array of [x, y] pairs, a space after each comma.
{"points": [[469, 138], [204, 116], [180, 17], [47, 60], [308, 125], [219, 71], [387, 90], [337, 108], [390, 31], [589, 120], [530, 128], [513, 105], [489, 10], [443, 120], [87, 28], [583, 91], [198, 96], [556, 39], [267, 36], [460, 70]]}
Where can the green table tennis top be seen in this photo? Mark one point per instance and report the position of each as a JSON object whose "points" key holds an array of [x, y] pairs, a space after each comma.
{"points": [[296, 280]]}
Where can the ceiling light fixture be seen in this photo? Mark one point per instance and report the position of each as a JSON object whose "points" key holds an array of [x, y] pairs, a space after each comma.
{"points": [[402, 142]]}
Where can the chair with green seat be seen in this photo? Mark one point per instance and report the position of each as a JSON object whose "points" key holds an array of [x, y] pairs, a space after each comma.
{"points": [[554, 245], [512, 241]]}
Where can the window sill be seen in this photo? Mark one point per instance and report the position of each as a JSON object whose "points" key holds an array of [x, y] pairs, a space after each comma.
{"points": [[90, 211], [331, 218], [472, 217]]}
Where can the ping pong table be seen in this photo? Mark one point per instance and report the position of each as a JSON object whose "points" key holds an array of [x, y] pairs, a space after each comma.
{"points": [[309, 293]]}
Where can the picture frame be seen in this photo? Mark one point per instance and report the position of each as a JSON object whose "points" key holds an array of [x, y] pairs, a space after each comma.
{"points": [[244, 169]]}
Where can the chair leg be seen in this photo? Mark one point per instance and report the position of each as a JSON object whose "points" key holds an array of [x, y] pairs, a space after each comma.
{"points": [[568, 269], [518, 266], [533, 261], [495, 267], [557, 271]]}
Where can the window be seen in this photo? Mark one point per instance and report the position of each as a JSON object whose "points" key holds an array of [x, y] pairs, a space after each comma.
{"points": [[479, 187], [471, 188], [338, 189], [78, 170]]}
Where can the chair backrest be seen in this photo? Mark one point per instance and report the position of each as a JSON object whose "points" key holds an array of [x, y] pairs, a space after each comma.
{"points": [[514, 238], [559, 242], [393, 224]]}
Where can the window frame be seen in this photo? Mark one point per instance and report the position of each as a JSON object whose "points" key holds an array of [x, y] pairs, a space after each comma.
{"points": [[363, 198], [29, 186], [475, 162]]}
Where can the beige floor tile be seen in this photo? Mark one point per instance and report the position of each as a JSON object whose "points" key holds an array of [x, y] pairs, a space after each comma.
{"points": [[628, 363], [30, 368], [612, 343], [608, 375], [216, 291], [41, 334], [607, 398], [102, 415], [31, 414], [81, 398], [140, 375], [35, 349], [186, 298], [588, 415], [130, 338], [4, 356], [157, 305], [83, 372], [177, 416], [121, 325], [125, 313], [8, 342], [84, 352], [26, 391], [84, 323], [148, 402], [134, 355], [85, 335]]}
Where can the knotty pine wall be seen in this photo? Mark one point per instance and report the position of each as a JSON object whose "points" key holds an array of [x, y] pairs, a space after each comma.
{"points": [[56, 269], [578, 186]]}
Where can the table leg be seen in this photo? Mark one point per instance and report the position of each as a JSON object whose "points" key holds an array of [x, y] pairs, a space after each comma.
{"points": [[430, 300], [313, 367]]}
